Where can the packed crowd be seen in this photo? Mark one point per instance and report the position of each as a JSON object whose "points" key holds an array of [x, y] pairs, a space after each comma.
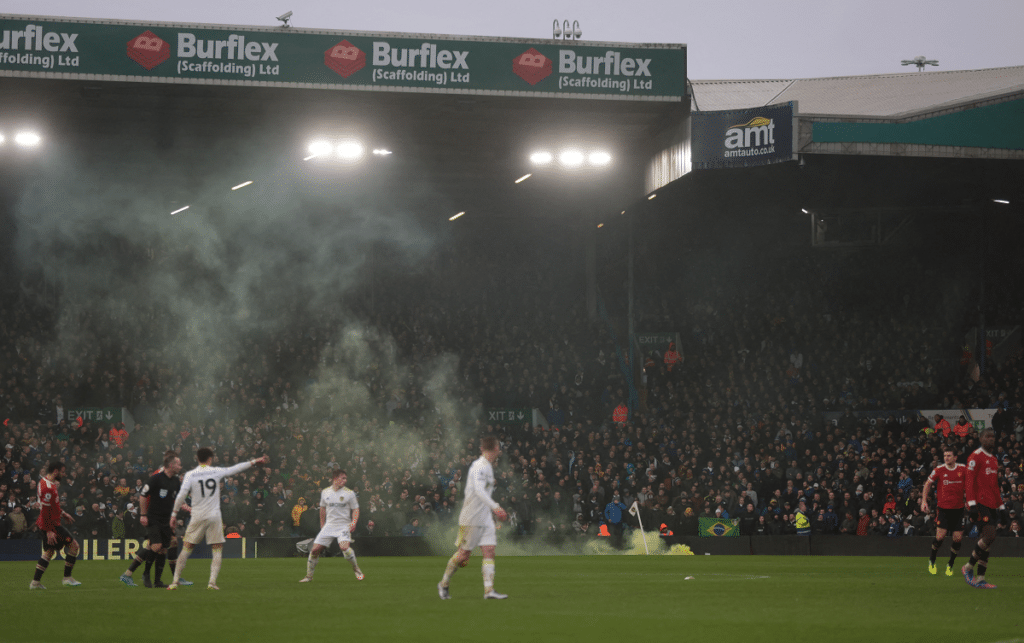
{"points": [[735, 431]]}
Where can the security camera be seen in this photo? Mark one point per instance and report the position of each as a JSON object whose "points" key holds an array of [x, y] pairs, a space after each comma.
{"points": [[284, 18]]}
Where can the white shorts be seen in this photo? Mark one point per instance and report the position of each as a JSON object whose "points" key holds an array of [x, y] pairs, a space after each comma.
{"points": [[329, 533], [473, 536], [211, 528]]}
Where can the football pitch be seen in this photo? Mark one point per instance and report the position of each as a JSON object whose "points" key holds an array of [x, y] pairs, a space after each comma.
{"points": [[551, 598]]}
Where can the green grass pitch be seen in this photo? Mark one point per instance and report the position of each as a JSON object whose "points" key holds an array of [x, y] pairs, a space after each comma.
{"points": [[552, 598]]}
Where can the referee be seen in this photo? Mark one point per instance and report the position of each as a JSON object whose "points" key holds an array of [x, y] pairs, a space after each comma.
{"points": [[156, 502]]}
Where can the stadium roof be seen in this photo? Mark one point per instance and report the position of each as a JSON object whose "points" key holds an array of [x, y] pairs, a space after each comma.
{"points": [[883, 96]]}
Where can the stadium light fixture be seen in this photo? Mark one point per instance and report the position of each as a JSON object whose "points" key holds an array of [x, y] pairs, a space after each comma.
{"points": [[1003, 201], [318, 148], [456, 216], [651, 198], [180, 210], [242, 185], [804, 210], [600, 158], [571, 158], [27, 139], [350, 151], [541, 158], [523, 178]]}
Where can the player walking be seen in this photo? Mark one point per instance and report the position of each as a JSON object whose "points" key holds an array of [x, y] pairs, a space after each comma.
{"points": [[156, 502], [948, 479], [983, 501], [339, 513], [57, 537], [476, 523], [203, 484]]}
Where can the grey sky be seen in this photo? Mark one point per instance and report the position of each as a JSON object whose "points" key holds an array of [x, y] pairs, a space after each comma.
{"points": [[726, 40]]}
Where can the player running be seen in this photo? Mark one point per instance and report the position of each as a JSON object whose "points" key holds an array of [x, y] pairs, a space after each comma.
{"points": [[339, 513], [948, 479], [57, 537], [983, 501], [203, 484], [476, 524], [156, 502]]}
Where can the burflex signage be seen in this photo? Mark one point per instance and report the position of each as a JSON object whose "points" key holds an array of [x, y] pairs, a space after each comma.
{"points": [[743, 138], [41, 47]]}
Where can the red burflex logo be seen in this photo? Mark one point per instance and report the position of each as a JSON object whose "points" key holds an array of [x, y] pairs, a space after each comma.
{"points": [[532, 66], [345, 59], [148, 49]]}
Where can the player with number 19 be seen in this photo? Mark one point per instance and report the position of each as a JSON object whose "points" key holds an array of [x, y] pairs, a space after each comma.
{"points": [[203, 484]]}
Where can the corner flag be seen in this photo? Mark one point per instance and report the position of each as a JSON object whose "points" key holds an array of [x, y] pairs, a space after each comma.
{"points": [[634, 510]]}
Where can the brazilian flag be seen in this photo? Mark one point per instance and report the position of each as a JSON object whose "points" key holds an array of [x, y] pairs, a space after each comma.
{"points": [[717, 527]]}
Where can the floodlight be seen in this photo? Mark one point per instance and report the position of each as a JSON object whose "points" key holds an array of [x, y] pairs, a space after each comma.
{"points": [[651, 197], [27, 139], [319, 148], [180, 210], [600, 158], [242, 185], [540, 158], [804, 210], [350, 150], [523, 178], [456, 216], [1003, 201], [2, 139], [382, 152], [571, 158]]}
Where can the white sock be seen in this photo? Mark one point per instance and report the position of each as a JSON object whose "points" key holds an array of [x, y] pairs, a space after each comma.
{"points": [[218, 554], [311, 565], [182, 559], [453, 566], [350, 556], [488, 571]]}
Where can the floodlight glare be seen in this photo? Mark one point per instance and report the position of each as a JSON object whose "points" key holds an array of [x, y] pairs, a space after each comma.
{"points": [[523, 178], [180, 210], [350, 151], [540, 158], [27, 139], [600, 158], [242, 185], [456, 216], [804, 210], [651, 197], [571, 158], [1003, 201], [382, 152], [2, 139], [319, 148]]}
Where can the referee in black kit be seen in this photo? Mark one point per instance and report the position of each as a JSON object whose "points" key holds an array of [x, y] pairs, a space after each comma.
{"points": [[156, 503]]}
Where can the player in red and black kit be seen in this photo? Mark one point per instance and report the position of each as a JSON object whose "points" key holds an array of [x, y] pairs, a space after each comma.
{"points": [[983, 503], [156, 502], [57, 537], [948, 478]]}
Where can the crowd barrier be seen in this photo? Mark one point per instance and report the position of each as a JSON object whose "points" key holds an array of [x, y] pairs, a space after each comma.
{"points": [[124, 549]]}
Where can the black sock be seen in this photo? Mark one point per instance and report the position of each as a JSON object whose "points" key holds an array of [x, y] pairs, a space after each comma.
{"points": [[953, 551], [69, 564], [135, 563], [160, 558], [40, 568], [975, 555], [935, 549], [147, 557], [172, 557]]}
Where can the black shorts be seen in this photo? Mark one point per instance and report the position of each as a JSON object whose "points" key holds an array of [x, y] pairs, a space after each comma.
{"points": [[986, 517], [950, 519], [64, 539], [159, 531]]}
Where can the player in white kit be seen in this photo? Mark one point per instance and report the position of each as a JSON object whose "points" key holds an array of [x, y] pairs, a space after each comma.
{"points": [[203, 484], [476, 520], [339, 513]]}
